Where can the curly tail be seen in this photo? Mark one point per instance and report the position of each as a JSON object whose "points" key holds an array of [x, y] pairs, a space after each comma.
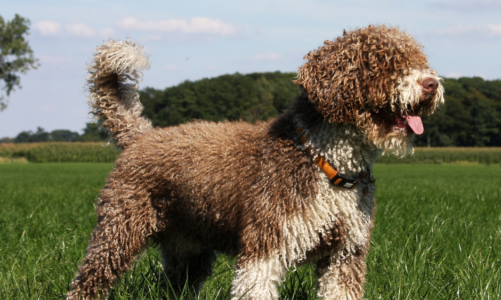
{"points": [[113, 83]]}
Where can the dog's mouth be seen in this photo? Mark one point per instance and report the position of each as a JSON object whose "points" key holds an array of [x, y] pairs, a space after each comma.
{"points": [[419, 93], [408, 121]]}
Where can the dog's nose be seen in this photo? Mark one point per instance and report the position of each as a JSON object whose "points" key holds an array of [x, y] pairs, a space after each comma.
{"points": [[430, 86]]}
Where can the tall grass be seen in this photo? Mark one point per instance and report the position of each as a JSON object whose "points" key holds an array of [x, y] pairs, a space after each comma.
{"points": [[98, 152], [437, 235], [447, 155]]}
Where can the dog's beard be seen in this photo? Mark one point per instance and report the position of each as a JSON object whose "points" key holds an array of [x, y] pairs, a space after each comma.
{"points": [[388, 137], [398, 141]]}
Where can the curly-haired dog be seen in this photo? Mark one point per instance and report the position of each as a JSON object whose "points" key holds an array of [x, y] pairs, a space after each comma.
{"points": [[292, 190]]}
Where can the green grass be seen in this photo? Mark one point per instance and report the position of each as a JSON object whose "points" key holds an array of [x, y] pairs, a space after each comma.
{"points": [[437, 235]]}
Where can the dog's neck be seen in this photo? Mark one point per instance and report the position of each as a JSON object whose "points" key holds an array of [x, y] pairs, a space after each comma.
{"points": [[343, 146]]}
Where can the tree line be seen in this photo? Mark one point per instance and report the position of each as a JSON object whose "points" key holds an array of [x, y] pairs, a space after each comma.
{"points": [[471, 115], [90, 134], [250, 97]]}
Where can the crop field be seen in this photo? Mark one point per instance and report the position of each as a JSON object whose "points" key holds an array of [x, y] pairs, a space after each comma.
{"points": [[59, 152], [437, 235], [104, 152]]}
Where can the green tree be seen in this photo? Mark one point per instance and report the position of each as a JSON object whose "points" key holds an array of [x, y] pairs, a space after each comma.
{"points": [[33, 137], [470, 117], [250, 97], [63, 135], [16, 55]]}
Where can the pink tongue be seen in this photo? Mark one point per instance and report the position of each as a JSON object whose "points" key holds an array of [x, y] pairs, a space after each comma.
{"points": [[415, 124]]}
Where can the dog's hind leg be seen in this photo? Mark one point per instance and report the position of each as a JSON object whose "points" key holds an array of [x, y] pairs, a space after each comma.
{"points": [[126, 219], [258, 278], [342, 276], [186, 264]]}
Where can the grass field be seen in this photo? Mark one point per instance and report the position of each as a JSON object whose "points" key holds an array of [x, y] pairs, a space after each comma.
{"points": [[437, 235]]}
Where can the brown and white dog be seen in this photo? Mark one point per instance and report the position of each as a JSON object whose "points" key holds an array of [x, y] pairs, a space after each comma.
{"points": [[295, 189]]}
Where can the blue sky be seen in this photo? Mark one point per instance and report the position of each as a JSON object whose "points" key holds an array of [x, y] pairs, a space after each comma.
{"points": [[190, 40]]}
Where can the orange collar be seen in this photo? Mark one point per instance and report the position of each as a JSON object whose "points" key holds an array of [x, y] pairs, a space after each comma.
{"points": [[336, 178]]}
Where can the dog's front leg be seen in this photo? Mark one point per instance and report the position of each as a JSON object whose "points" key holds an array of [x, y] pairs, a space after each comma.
{"points": [[125, 221], [342, 275], [257, 278]]}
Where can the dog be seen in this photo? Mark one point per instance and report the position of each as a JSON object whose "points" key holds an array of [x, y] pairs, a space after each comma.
{"points": [[275, 194]]}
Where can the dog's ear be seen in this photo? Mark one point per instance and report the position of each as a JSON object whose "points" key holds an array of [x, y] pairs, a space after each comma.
{"points": [[358, 71]]}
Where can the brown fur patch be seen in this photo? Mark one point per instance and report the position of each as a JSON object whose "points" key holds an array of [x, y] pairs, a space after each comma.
{"points": [[226, 183], [332, 239], [358, 71], [350, 270]]}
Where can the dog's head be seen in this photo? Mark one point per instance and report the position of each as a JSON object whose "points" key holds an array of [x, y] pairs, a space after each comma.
{"points": [[377, 78]]}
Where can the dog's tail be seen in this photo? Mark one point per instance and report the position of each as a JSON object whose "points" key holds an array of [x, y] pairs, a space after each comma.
{"points": [[113, 82]]}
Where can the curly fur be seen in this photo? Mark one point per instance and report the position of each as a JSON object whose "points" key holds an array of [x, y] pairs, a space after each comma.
{"points": [[113, 84], [253, 190], [359, 71]]}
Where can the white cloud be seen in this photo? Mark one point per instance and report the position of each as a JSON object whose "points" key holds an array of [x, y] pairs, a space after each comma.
{"points": [[477, 31], [197, 25], [471, 5], [80, 29], [48, 28], [270, 56], [76, 28]]}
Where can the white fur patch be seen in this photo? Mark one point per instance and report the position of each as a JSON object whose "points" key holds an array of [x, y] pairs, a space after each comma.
{"points": [[258, 280], [410, 90], [398, 142], [123, 57]]}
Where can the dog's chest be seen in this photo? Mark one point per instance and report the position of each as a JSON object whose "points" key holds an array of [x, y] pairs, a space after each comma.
{"points": [[346, 211], [336, 219]]}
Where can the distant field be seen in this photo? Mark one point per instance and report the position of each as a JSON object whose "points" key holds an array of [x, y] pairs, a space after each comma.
{"points": [[438, 155], [58, 152], [437, 235], [102, 152]]}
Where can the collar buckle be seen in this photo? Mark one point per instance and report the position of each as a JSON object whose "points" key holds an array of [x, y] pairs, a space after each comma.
{"points": [[345, 181]]}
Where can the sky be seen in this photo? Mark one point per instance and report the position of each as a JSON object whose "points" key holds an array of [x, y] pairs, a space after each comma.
{"points": [[195, 39]]}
